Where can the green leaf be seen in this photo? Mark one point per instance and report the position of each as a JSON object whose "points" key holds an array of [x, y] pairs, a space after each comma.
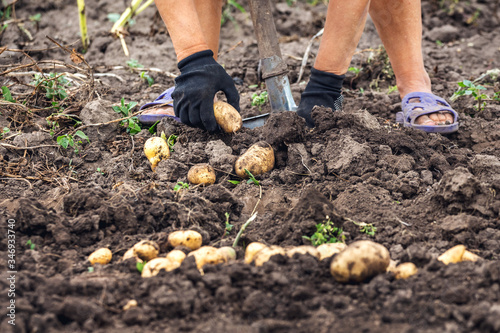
{"points": [[140, 266], [152, 129], [113, 17], [82, 135], [36, 17], [234, 182], [7, 95], [63, 141]]}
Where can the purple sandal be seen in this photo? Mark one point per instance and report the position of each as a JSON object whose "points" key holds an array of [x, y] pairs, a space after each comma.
{"points": [[163, 100], [427, 103]]}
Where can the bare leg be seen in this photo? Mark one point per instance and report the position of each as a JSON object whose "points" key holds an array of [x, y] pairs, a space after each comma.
{"points": [[399, 25]]}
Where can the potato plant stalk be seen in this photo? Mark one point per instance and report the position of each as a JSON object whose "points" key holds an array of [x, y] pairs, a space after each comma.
{"points": [[243, 227], [83, 24], [127, 14]]}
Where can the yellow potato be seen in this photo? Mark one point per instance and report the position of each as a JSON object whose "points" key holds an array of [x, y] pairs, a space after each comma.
{"points": [[207, 255], [202, 174], [153, 267], [101, 256], [258, 159], [266, 253], [469, 256], [405, 270], [304, 249], [453, 255], [188, 238], [228, 118], [130, 254], [130, 304], [176, 256], [360, 261], [392, 266], [228, 253], [146, 250], [156, 149], [329, 249], [252, 250]]}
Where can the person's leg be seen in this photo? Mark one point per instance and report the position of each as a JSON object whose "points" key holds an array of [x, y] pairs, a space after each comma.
{"points": [[399, 25], [209, 16]]}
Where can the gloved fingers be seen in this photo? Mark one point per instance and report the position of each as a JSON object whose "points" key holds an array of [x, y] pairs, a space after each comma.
{"points": [[195, 111], [208, 117], [181, 109]]}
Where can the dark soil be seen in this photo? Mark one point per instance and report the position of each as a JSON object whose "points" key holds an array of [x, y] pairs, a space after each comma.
{"points": [[424, 192]]}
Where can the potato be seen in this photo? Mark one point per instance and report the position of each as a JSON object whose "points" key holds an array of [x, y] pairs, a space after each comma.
{"points": [[207, 255], [228, 253], [252, 250], [360, 261], [176, 256], [130, 254], [453, 255], [304, 249], [156, 149], [329, 249], [146, 250], [130, 304], [202, 174], [392, 266], [228, 118], [154, 266], [405, 270], [188, 238], [101, 256], [258, 159], [469, 256], [266, 253]]}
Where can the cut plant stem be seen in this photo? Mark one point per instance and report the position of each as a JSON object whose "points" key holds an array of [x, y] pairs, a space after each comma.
{"points": [[127, 14], [83, 24], [243, 227]]}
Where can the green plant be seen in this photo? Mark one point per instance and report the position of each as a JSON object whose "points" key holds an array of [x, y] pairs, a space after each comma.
{"points": [[68, 140], [355, 70], [152, 129], [252, 178], [365, 228], [467, 88], [392, 89], [226, 12], [144, 76], [229, 226], [172, 139], [326, 232], [7, 95], [140, 266], [234, 182], [90, 269], [36, 18], [132, 124], [100, 171], [30, 244], [53, 85], [134, 63], [4, 131], [181, 185], [259, 99], [439, 43]]}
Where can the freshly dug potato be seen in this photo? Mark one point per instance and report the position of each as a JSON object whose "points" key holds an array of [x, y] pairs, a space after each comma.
{"points": [[101, 256], [304, 249], [130, 254], [258, 159], [329, 249], [146, 250], [153, 267], [266, 253], [405, 270], [130, 304], [228, 118], [228, 253], [392, 266], [202, 174], [156, 149], [176, 256], [207, 255], [469, 256], [188, 238], [360, 261], [252, 250], [453, 255]]}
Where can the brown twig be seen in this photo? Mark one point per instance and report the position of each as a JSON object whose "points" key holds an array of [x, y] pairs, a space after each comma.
{"points": [[6, 145]]}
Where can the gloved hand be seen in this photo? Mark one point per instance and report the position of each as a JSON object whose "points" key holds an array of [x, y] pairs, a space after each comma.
{"points": [[195, 88], [323, 89]]}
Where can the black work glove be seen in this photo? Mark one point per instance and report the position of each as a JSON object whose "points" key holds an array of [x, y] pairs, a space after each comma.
{"points": [[195, 88], [323, 89]]}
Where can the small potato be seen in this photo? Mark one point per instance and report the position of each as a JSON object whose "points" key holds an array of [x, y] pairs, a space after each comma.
{"points": [[453, 255], [153, 267], [207, 255], [469, 256], [266, 253], [146, 250], [228, 118], [130, 304], [258, 159], [405, 270], [252, 250], [188, 238], [392, 266], [228, 253], [329, 249], [101, 256], [156, 149], [176, 256], [130, 254], [360, 261], [304, 249], [202, 174]]}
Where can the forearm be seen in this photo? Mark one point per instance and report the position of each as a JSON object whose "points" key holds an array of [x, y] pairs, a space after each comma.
{"points": [[183, 26]]}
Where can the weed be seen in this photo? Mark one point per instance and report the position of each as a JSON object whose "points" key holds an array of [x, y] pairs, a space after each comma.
{"points": [[181, 185], [260, 99], [326, 232], [392, 89], [90, 269], [36, 18], [439, 43], [100, 171], [4, 131], [355, 70], [229, 226], [144, 76], [172, 139], [68, 140], [30, 244], [467, 88], [234, 182], [7, 95], [53, 85], [132, 124], [226, 13], [365, 228], [140, 266], [252, 178], [134, 63]]}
